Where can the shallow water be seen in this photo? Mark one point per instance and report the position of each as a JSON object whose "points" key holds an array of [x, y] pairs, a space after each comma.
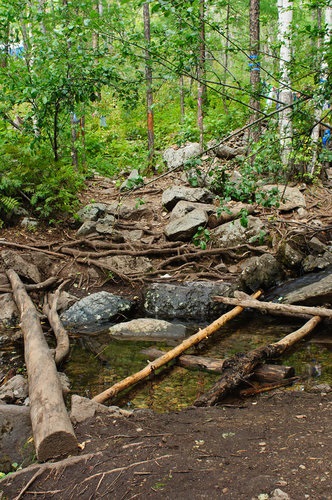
{"points": [[173, 388]]}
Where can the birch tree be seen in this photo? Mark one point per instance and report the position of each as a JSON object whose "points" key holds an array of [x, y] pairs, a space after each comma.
{"points": [[285, 18]]}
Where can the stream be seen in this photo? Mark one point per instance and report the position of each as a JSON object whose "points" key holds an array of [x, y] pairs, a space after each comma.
{"points": [[97, 362]]}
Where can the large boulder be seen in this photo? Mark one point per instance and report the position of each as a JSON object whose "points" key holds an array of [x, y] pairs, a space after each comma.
{"points": [[291, 196], [233, 233], [175, 157], [189, 301], [25, 269], [16, 388], [261, 272], [185, 227], [96, 311], [174, 194]]}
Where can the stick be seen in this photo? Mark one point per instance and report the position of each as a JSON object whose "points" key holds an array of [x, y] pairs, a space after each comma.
{"points": [[239, 367], [173, 353], [61, 335], [52, 430], [278, 308]]}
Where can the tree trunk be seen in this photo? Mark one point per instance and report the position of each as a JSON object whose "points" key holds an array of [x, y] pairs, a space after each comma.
{"points": [[148, 79], [254, 68], [52, 430], [169, 356], [201, 90], [278, 308], [263, 373], [239, 367], [61, 335]]}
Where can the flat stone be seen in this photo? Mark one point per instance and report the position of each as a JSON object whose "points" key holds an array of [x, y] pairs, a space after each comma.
{"points": [[183, 207], [234, 233], [127, 263], [84, 408], [184, 228], [172, 195], [148, 329], [15, 389], [292, 197], [175, 157], [91, 212]]}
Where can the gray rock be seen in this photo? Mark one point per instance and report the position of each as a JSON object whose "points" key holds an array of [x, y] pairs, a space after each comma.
{"points": [[129, 209], [174, 194], [133, 180], [148, 329], [9, 314], [189, 301], [24, 269], [185, 227], [127, 263], [184, 207], [91, 212], [105, 225], [84, 408], [16, 431], [87, 227], [135, 235], [292, 196], [95, 311], [261, 272], [278, 494], [15, 389], [29, 222], [289, 256], [234, 234], [316, 262], [317, 246], [175, 157]]}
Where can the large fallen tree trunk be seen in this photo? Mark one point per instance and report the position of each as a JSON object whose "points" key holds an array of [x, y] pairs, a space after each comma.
{"points": [[277, 308], [52, 430], [239, 367], [111, 392], [263, 373]]}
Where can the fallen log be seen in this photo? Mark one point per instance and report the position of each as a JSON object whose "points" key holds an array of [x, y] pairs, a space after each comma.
{"points": [[277, 308], [61, 335], [263, 373], [52, 430], [111, 392], [239, 367]]}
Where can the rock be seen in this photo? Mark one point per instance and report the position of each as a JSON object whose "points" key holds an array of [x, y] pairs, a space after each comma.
{"points": [[184, 207], [88, 227], [312, 289], [129, 209], [15, 443], [316, 263], [29, 222], [135, 235], [175, 157], [278, 494], [233, 233], [106, 225], [95, 311], [321, 388], [9, 314], [189, 301], [261, 272], [24, 269], [317, 246], [15, 389], [133, 180], [148, 329], [185, 227], [290, 256], [291, 196], [91, 212], [127, 263], [174, 194], [223, 151], [84, 408]]}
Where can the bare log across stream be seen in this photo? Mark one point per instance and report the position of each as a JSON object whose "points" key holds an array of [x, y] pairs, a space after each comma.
{"points": [[239, 367], [263, 373], [52, 429], [111, 392]]}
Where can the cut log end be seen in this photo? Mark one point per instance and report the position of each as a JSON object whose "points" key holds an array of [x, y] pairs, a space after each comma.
{"points": [[60, 444]]}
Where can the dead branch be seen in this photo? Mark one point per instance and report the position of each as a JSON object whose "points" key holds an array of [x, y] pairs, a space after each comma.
{"points": [[173, 353], [239, 367]]}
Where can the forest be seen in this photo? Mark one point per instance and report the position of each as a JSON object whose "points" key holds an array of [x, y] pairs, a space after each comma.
{"points": [[98, 86]]}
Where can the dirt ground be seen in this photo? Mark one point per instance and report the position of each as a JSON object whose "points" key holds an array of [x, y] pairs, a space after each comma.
{"points": [[246, 449]]}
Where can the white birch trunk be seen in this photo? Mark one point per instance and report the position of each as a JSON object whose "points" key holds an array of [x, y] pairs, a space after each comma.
{"points": [[315, 135], [285, 18]]}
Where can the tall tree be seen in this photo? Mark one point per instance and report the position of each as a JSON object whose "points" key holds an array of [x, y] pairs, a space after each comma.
{"points": [[148, 77], [254, 66]]}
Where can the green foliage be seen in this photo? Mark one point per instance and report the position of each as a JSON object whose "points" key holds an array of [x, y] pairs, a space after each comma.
{"points": [[202, 237]]}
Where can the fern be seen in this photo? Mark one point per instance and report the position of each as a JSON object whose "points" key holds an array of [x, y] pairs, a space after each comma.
{"points": [[8, 204]]}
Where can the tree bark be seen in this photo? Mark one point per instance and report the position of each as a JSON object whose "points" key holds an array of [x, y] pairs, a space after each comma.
{"points": [[52, 430], [263, 373], [277, 308], [61, 335], [254, 67], [239, 367], [169, 356], [148, 79]]}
